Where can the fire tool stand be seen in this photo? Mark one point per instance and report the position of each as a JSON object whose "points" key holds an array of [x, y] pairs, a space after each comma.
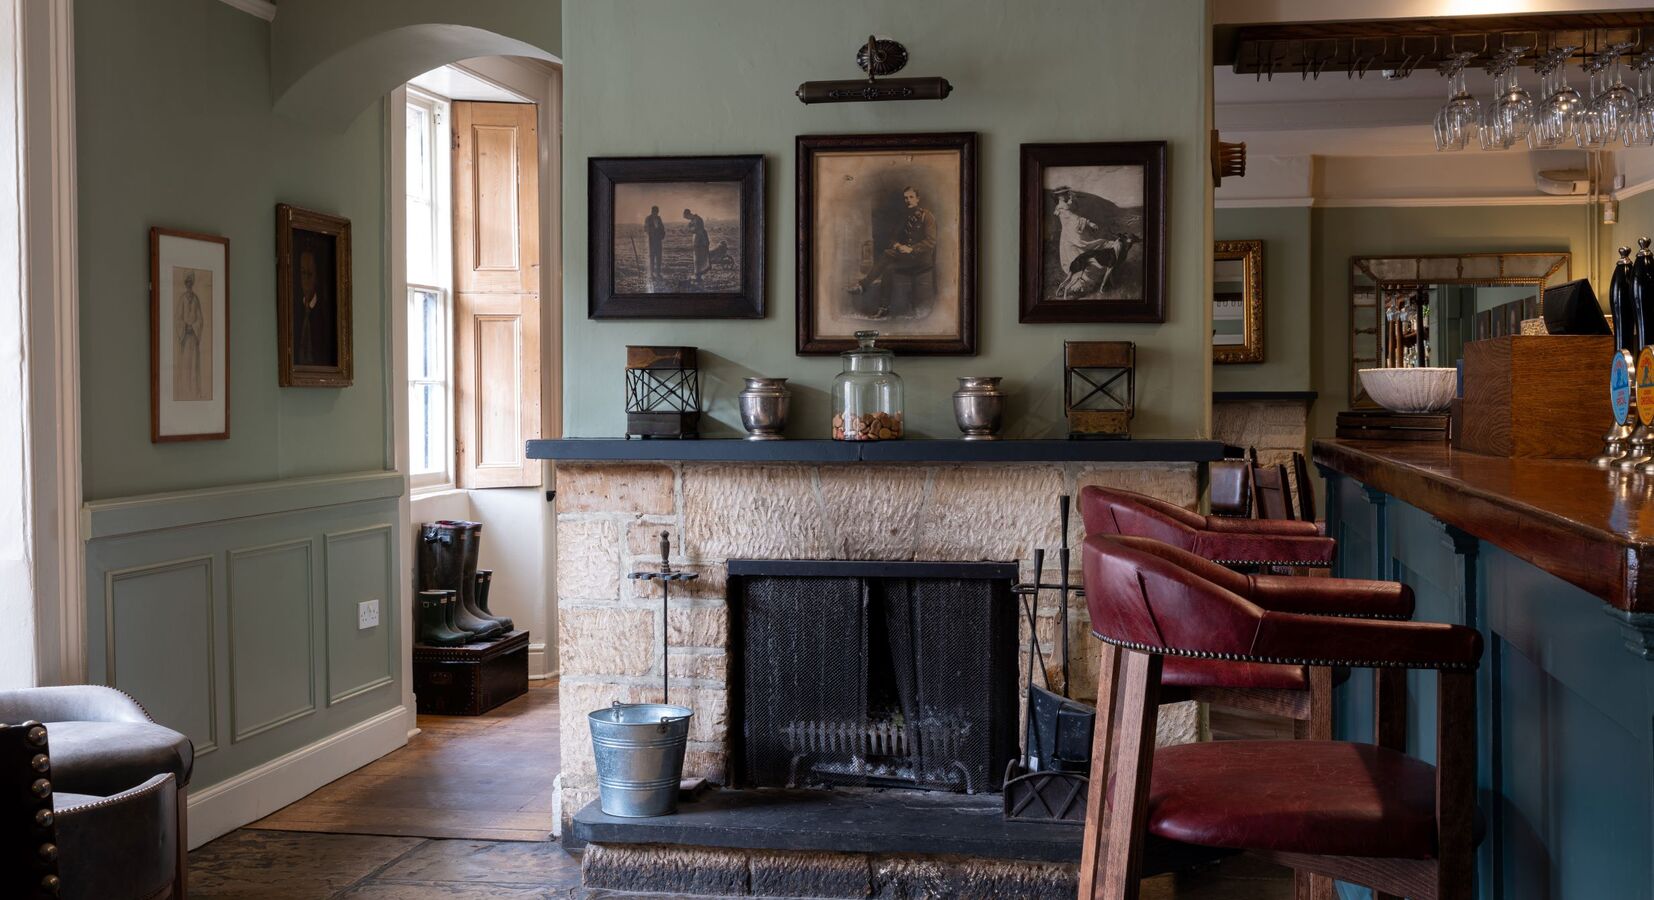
{"points": [[665, 575]]}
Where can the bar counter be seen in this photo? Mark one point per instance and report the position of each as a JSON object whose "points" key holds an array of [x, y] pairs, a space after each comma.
{"points": [[1553, 562]]}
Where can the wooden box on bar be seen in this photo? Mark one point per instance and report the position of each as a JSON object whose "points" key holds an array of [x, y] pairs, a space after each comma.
{"points": [[1540, 396], [470, 679]]}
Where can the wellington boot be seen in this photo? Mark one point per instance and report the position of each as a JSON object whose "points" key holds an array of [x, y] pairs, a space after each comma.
{"points": [[432, 625], [485, 578], [438, 557], [468, 544], [450, 615]]}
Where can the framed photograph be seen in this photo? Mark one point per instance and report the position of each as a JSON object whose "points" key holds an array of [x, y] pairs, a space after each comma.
{"points": [[313, 310], [887, 242], [189, 336], [1094, 232], [1237, 302], [676, 237]]}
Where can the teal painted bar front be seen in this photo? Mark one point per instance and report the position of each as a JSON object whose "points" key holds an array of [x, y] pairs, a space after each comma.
{"points": [[1565, 703]]}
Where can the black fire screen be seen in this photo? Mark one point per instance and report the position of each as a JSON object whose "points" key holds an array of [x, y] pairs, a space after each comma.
{"points": [[876, 673]]}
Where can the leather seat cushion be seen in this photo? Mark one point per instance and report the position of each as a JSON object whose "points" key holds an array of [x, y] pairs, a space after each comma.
{"points": [[105, 758], [1321, 797]]}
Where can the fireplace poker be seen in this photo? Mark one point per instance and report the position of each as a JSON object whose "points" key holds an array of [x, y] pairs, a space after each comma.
{"points": [[1030, 610], [666, 575], [1062, 587]]}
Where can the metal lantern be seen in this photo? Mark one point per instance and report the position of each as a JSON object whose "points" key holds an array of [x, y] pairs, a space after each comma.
{"points": [[663, 392], [1099, 387]]}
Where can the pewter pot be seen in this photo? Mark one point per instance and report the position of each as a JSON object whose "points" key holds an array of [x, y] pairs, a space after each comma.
{"points": [[764, 405], [979, 407]]}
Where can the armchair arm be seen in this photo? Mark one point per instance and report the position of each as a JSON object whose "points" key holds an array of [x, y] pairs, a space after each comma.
{"points": [[1364, 643], [1332, 596], [70, 703], [1237, 525], [1251, 548], [120, 846]]}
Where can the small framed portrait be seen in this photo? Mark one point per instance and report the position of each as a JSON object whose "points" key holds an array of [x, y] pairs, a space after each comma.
{"points": [[887, 242], [189, 336], [1237, 302], [313, 309], [676, 237], [1094, 232]]}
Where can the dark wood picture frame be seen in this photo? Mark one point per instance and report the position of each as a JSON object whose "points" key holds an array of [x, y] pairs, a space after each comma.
{"points": [[1035, 305], [810, 343], [223, 326], [292, 373], [605, 302]]}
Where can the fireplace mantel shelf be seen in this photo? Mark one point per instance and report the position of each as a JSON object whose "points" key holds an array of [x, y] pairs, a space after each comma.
{"points": [[906, 451]]}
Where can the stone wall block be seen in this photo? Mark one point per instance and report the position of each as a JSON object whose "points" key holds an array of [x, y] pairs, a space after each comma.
{"points": [[701, 626], [765, 512], [991, 512], [664, 868], [713, 765], [645, 489], [575, 699], [899, 878], [711, 706], [588, 559], [780, 873], [607, 641], [874, 511], [699, 666], [1275, 424], [643, 539]]}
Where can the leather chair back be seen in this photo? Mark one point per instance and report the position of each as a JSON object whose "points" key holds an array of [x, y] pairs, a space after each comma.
{"points": [[28, 833], [1145, 601], [1271, 493], [1113, 511], [1231, 490], [1303, 487]]}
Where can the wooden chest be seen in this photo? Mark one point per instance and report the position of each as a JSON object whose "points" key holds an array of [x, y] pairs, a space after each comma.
{"points": [[1542, 396], [471, 679]]}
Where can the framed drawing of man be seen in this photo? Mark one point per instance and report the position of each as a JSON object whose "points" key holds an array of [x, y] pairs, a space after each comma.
{"points": [[676, 237], [313, 298], [1094, 232], [189, 336], [887, 240]]}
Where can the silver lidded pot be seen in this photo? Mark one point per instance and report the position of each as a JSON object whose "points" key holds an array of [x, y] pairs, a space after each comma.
{"points": [[764, 404], [979, 407]]}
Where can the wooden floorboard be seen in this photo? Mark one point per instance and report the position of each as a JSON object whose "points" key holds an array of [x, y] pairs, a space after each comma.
{"points": [[483, 777]]}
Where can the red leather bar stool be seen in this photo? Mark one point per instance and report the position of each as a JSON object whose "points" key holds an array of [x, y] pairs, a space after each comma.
{"points": [[1367, 814], [1300, 692]]}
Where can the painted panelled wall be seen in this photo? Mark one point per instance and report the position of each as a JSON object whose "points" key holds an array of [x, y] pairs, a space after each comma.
{"points": [[1289, 316], [664, 77]]}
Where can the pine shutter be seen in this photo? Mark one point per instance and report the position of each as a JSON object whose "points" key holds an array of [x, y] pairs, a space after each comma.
{"points": [[496, 292]]}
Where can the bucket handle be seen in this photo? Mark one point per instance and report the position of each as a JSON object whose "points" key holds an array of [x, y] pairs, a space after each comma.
{"points": [[614, 708]]}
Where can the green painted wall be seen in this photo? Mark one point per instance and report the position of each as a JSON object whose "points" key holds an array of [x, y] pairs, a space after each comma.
{"points": [[1339, 233], [1636, 220], [661, 77], [1289, 347], [175, 128]]}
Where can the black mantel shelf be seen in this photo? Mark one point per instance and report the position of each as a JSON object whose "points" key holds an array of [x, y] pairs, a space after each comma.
{"points": [[913, 451]]}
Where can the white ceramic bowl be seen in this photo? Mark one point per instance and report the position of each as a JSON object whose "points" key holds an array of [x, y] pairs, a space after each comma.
{"points": [[1410, 390]]}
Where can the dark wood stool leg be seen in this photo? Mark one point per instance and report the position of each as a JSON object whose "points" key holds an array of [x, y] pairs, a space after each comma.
{"points": [[1132, 762], [1389, 720], [1455, 785], [1108, 671], [180, 884], [1317, 726]]}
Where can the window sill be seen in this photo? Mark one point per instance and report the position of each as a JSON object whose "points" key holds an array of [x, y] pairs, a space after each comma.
{"points": [[435, 491]]}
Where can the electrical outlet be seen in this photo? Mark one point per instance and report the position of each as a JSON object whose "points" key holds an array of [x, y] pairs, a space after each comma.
{"points": [[367, 614]]}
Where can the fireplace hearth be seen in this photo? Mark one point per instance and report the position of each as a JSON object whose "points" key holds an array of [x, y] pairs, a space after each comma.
{"points": [[872, 674]]}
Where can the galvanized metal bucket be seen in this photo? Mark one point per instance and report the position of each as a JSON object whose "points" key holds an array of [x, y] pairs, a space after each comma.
{"points": [[639, 749]]}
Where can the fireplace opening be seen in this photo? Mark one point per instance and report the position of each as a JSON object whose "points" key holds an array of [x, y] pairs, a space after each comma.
{"points": [[877, 674]]}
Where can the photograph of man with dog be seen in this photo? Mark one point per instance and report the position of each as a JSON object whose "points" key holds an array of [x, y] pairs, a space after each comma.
{"points": [[677, 237], [1093, 232]]}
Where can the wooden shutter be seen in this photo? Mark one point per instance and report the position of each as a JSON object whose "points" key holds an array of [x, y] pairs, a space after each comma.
{"points": [[496, 292]]}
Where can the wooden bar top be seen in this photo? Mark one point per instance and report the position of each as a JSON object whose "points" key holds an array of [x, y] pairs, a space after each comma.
{"points": [[1587, 526]]}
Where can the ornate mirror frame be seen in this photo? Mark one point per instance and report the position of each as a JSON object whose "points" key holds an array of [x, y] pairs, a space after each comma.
{"points": [[1250, 350], [1372, 277]]}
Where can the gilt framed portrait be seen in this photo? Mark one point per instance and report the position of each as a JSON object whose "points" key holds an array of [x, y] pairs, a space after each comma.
{"points": [[189, 336], [887, 242], [1237, 302], [313, 298], [1094, 232], [676, 237]]}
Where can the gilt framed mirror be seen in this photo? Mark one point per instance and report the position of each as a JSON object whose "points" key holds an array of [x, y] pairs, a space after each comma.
{"points": [[1420, 311], [1237, 302]]}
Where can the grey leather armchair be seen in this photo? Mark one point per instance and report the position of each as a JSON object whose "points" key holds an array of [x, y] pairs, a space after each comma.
{"points": [[112, 768]]}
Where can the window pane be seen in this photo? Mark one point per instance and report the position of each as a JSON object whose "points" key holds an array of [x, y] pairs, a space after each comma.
{"points": [[421, 241], [426, 356], [419, 157], [427, 440]]}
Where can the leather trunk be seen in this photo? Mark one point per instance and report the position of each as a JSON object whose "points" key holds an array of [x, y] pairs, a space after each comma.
{"points": [[471, 679]]}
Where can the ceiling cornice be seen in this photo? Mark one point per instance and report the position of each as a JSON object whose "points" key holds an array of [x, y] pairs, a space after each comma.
{"points": [[264, 9]]}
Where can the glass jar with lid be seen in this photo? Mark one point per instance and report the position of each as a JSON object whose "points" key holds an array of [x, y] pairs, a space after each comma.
{"points": [[867, 395]]}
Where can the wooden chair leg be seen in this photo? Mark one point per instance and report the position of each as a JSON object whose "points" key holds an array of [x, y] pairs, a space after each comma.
{"points": [[1455, 785], [1131, 763], [1317, 726], [1390, 708], [180, 883], [1102, 733]]}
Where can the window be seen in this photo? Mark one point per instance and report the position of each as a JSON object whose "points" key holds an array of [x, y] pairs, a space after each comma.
{"points": [[430, 299]]}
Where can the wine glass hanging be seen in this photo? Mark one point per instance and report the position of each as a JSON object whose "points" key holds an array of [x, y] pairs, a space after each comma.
{"points": [[1611, 110]]}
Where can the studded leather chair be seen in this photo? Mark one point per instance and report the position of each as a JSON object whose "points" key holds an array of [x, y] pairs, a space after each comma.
{"points": [[1209, 545], [104, 745], [78, 847], [1367, 814]]}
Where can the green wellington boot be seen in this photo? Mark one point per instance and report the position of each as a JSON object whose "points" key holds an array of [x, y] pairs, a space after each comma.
{"points": [[432, 625], [442, 567], [485, 578], [469, 544], [450, 612]]}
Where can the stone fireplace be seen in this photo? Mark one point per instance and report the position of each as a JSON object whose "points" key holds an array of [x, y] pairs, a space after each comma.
{"points": [[731, 522]]}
